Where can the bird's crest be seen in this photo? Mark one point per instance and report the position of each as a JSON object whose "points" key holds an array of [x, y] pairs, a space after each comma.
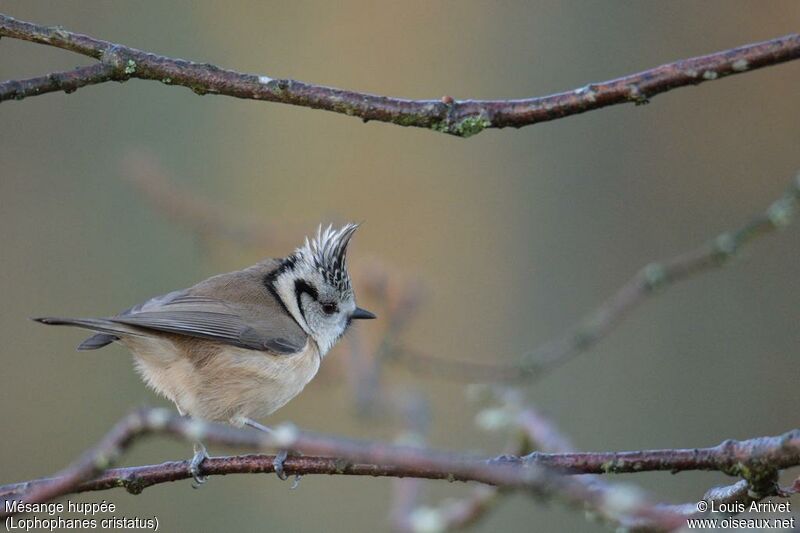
{"points": [[327, 254]]}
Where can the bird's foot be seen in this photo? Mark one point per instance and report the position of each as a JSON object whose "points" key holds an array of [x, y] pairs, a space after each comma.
{"points": [[277, 464], [200, 455], [280, 458]]}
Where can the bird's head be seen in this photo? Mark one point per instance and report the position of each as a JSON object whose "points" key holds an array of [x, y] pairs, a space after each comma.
{"points": [[315, 287]]}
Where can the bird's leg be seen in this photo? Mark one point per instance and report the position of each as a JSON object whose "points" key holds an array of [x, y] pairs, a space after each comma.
{"points": [[281, 456], [255, 425], [200, 455]]}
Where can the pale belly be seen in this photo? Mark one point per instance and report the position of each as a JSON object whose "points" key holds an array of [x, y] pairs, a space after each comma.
{"points": [[219, 382]]}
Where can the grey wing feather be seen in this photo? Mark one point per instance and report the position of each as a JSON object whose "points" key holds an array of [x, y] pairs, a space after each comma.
{"points": [[232, 308], [98, 340], [237, 324]]}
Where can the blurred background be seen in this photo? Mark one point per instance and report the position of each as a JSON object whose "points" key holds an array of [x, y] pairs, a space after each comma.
{"points": [[510, 236]]}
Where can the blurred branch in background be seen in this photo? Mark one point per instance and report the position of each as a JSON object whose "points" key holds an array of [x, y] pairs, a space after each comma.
{"points": [[462, 118], [756, 460], [601, 321], [205, 219]]}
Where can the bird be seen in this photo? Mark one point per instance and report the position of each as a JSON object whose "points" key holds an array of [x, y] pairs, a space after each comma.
{"points": [[238, 346]]}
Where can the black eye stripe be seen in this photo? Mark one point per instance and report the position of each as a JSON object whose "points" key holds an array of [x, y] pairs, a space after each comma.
{"points": [[300, 287]]}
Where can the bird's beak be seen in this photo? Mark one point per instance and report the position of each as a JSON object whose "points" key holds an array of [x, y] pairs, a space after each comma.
{"points": [[362, 314]]}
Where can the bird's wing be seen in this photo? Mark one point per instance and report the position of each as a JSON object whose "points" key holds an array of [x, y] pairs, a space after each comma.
{"points": [[255, 327]]}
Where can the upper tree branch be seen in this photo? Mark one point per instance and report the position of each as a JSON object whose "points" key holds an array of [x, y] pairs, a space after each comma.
{"points": [[456, 117]]}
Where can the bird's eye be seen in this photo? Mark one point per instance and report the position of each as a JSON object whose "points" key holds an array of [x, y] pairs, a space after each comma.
{"points": [[329, 308]]}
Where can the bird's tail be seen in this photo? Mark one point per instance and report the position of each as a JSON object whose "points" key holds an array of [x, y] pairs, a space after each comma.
{"points": [[108, 330]]}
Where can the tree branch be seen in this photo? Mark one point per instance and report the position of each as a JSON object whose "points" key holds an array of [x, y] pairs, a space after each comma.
{"points": [[135, 479], [601, 321], [755, 460], [462, 118], [68, 81], [413, 461]]}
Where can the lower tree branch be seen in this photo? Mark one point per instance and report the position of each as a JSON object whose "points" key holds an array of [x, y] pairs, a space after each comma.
{"points": [[462, 118], [756, 460], [404, 460], [135, 479]]}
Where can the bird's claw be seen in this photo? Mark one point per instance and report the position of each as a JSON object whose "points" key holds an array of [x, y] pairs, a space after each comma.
{"points": [[200, 455], [280, 458], [277, 464]]}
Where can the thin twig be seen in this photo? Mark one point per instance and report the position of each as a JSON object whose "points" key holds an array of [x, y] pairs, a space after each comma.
{"points": [[204, 218], [462, 118], [68, 81], [601, 321]]}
